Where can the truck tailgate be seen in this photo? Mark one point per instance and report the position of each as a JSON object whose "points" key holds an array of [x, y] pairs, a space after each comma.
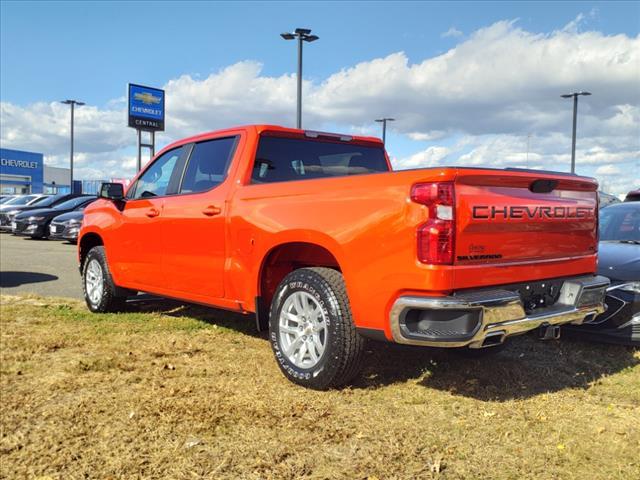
{"points": [[511, 217]]}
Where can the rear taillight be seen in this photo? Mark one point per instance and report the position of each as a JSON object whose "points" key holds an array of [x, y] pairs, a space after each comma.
{"points": [[436, 236]]}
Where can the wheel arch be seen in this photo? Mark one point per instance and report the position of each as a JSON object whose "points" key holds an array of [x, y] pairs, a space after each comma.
{"points": [[278, 262], [86, 243]]}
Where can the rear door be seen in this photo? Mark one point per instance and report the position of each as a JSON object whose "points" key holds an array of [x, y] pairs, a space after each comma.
{"points": [[138, 253], [193, 226], [515, 217]]}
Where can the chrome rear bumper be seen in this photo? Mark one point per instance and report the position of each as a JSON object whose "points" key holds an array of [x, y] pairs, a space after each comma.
{"points": [[470, 318]]}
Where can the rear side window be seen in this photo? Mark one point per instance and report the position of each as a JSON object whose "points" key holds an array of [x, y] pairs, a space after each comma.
{"points": [[208, 165], [284, 159], [155, 180]]}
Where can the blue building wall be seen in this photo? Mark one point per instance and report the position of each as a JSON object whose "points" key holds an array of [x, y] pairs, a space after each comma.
{"points": [[17, 163]]}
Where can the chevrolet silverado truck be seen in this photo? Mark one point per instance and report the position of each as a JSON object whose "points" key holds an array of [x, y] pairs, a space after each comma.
{"points": [[316, 235]]}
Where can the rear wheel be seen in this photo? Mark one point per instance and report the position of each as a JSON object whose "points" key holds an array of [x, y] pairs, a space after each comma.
{"points": [[100, 293], [311, 329]]}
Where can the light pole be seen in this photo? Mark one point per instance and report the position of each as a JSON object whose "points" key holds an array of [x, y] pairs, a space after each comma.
{"points": [[575, 120], [73, 103], [302, 35], [384, 121]]}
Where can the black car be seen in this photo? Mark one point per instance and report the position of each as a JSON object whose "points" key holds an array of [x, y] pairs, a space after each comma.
{"points": [[6, 198], [9, 210], [14, 205], [66, 226], [633, 196], [35, 223], [618, 259]]}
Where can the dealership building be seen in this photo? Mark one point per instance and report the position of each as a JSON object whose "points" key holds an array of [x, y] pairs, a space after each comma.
{"points": [[25, 172]]}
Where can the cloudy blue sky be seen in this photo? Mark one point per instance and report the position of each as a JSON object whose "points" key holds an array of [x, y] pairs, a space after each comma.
{"points": [[470, 83]]}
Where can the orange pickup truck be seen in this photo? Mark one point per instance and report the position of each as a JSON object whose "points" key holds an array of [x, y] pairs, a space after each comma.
{"points": [[315, 234]]}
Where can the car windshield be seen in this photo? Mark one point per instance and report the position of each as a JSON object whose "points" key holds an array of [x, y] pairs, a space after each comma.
{"points": [[38, 200], [48, 200], [5, 200], [73, 203], [22, 200], [621, 224]]}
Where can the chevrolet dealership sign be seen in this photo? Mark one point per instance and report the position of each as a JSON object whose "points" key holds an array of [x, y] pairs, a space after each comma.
{"points": [[9, 162], [146, 108]]}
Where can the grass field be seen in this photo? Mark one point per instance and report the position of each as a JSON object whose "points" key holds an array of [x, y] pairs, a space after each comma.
{"points": [[169, 391]]}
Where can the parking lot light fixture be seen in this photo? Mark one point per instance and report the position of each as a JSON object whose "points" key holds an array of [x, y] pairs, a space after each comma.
{"points": [[302, 35], [384, 121], [575, 96], [73, 103]]}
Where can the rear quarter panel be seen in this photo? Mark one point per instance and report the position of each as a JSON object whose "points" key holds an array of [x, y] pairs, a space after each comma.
{"points": [[367, 222]]}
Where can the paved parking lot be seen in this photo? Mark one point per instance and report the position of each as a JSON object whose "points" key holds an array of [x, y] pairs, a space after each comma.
{"points": [[44, 267]]}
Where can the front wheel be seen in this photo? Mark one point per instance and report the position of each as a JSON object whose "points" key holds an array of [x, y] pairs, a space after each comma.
{"points": [[100, 293], [311, 329]]}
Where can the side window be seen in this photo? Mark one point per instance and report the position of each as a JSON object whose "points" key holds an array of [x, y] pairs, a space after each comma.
{"points": [[155, 180], [208, 164]]}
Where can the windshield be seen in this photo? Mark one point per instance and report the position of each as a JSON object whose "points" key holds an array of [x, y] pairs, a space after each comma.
{"points": [[620, 223], [5, 200], [22, 200], [73, 203], [48, 200], [39, 200]]}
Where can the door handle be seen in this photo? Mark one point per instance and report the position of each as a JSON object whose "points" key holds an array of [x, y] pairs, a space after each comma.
{"points": [[211, 210], [153, 212]]}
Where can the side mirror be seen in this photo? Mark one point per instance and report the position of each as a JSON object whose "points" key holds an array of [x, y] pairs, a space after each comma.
{"points": [[112, 191]]}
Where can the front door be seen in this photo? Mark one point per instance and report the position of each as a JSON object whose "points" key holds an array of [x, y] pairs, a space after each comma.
{"points": [[137, 258], [193, 227]]}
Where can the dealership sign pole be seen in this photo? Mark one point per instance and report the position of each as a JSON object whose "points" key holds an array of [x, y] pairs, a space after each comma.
{"points": [[146, 114]]}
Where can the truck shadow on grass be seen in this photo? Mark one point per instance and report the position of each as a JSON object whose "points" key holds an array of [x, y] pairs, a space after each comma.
{"points": [[241, 323], [525, 368]]}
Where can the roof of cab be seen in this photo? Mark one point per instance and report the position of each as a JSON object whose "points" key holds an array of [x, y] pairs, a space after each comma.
{"points": [[258, 129]]}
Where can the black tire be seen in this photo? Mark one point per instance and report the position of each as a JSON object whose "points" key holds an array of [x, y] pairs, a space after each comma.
{"points": [[112, 298], [342, 357]]}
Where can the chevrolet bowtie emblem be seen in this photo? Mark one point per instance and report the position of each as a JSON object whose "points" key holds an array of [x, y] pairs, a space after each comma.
{"points": [[147, 98]]}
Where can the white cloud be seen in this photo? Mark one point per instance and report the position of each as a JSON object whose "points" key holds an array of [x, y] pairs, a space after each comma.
{"points": [[574, 25], [428, 136], [429, 157], [492, 89], [608, 170], [452, 32]]}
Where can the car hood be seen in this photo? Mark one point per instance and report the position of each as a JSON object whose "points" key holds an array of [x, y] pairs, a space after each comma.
{"points": [[20, 208], [40, 212], [619, 261], [65, 217]]}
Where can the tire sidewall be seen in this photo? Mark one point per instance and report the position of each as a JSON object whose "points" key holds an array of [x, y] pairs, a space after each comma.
{"points": [[97, 254], [314, 285]]}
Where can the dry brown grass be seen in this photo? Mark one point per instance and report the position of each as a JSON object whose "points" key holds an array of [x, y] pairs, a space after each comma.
{"points": [[183, 392]]}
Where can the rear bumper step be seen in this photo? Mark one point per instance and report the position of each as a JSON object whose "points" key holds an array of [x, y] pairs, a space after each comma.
{"points": [[484, 318]]}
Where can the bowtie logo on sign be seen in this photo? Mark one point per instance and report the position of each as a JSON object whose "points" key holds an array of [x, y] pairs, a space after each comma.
{"points": [[148, 98]]}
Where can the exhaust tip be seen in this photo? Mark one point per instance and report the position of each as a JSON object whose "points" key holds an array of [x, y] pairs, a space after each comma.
{"points": [[493, 339], [549, 332]]}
